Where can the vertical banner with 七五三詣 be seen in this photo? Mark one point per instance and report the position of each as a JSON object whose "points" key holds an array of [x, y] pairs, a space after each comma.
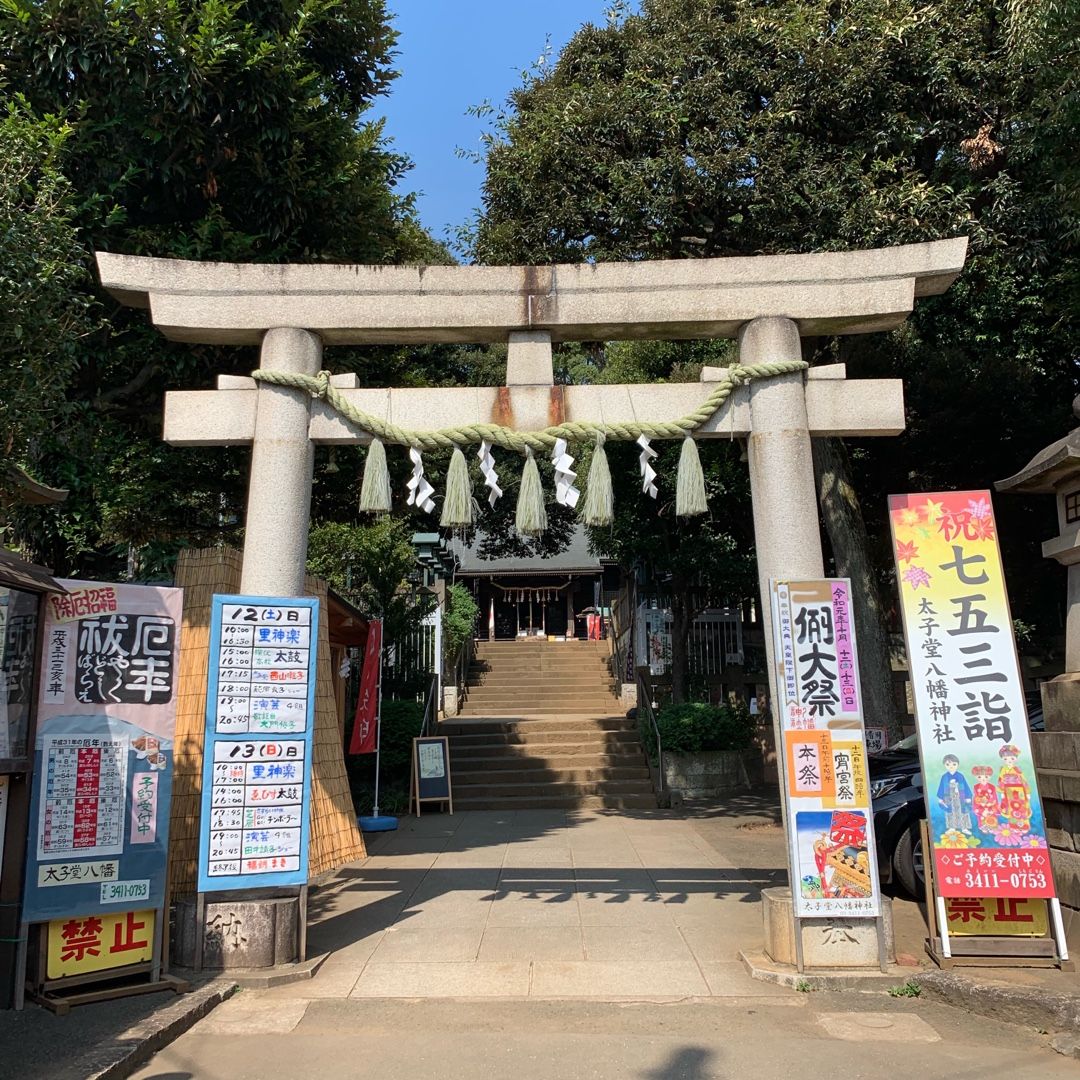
{"points": [[826, 789], [985, 817]]}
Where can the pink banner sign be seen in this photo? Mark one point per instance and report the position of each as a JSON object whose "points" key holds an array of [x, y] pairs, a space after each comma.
{"points": [[144, 800]]}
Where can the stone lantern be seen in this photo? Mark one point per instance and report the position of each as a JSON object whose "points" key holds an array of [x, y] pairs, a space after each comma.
{"points": [[1056, 471]]}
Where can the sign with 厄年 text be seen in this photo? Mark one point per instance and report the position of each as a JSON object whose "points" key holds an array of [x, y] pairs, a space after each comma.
{"points": [[103, 751], [826, 784], [260, 717], [87, 943], [985, 817]]}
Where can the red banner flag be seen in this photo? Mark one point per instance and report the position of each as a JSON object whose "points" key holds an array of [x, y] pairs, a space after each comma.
{"points": [[365, 729]]}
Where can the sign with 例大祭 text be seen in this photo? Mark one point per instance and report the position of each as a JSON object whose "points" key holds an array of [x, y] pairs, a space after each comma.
{"points": [[826, 785], [260, 717], [983, 809]]}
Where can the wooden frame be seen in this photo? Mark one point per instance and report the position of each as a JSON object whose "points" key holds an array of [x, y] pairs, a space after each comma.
{"points": [[415, 795]]}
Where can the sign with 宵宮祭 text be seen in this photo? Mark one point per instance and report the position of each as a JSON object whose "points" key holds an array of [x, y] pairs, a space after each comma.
{"points": [[103, 752], [995, 916], [826, 785], [88, 943], [983, 810], [260, 717]]}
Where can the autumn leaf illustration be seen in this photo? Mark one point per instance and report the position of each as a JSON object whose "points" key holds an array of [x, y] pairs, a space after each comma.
{"points": [[916, 576], [905, 552]]}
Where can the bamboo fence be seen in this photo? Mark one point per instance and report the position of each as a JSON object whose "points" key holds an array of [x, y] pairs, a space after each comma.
{"points": [[335, 838]]}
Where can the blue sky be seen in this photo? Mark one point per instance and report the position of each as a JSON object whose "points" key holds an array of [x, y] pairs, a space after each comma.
{"points": [[453, 54]]}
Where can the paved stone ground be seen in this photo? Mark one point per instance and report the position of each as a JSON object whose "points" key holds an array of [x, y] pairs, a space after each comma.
{"points": [[586, 944], [538, 904]]}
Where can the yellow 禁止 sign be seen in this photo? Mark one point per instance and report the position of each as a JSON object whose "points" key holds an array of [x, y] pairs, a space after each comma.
{"points": [[995, 916], [99, 942]]}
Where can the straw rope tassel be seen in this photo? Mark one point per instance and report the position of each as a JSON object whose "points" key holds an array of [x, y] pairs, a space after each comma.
{"points": [[375, 488], [690, 498], [531, 516], [458, 503], [599, 505]]}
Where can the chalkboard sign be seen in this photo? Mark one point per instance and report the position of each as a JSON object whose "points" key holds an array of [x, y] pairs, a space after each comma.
{"points": [[431, 772]]}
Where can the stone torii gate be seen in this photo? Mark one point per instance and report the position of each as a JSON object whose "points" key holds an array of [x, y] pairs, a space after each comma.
{"points": [[767, 302]]}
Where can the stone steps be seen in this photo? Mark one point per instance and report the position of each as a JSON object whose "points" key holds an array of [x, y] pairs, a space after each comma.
{"points": [[541, 728]]}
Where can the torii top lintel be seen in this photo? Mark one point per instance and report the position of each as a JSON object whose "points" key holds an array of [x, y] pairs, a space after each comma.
{"points": [[852, 292]]}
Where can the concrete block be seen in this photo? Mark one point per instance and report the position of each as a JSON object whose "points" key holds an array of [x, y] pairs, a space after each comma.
{"points": [[1061, 702], [239, 934], [1058, 750], [827, 943], [1067, 875], [711, 772]]}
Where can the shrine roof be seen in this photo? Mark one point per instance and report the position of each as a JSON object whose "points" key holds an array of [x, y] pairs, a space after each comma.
{"points": [[575, 559]]}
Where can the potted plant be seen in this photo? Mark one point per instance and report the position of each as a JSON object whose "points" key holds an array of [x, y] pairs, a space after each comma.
{"points": [[708, 750]]}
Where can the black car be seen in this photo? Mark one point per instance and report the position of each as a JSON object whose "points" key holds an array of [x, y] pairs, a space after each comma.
{"points": [[896, 793]]}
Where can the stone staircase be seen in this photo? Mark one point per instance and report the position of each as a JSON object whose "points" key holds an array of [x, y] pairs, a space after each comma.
{"points": [[542, 729]]}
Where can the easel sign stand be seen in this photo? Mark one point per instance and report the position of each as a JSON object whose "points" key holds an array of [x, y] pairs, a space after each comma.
{"points": [[430, 779], [984, 837], [832, 856]]}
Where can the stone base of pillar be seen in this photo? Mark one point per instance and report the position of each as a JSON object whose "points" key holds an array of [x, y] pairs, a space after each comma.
{"points": [[1057, 765], [827, 943], [239, 934], [450, 700]]}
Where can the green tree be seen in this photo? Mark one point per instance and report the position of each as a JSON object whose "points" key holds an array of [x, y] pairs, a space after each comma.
{"points": [[693, 128], [199, 129], [43, 275]]}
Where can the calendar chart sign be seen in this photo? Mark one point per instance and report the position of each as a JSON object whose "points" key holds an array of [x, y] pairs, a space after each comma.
{"points": [[260, 717], [103, 750]]}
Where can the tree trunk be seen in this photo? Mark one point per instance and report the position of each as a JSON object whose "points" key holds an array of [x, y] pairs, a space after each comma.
{"points": [[847, 537], [680, 632]]}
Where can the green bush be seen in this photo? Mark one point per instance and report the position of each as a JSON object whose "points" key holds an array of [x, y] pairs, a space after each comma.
{"points": [[696, 725], [400, 724], [459, 620]]}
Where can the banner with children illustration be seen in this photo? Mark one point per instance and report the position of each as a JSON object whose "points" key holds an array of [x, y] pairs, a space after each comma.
{"points": [[104, 751], [983, 808], [826, 786]]}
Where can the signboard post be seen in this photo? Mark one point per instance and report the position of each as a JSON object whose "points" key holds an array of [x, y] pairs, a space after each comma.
{"points": [[260, 718], [102, 786], [832, 855], [986, 827]]}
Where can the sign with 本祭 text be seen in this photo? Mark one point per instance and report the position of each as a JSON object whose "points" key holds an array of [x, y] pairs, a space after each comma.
{"points": [[104, 751], [80, 945], [826, 785], [260, 718], [982, 803]]}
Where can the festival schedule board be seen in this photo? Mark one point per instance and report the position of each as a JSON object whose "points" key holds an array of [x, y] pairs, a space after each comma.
{"points": [[260, 718], [985, 817], [103, 752], [826, 785]]}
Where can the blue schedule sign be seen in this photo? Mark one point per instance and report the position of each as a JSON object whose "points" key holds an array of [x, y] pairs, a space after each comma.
{"points": [[260, 718]]}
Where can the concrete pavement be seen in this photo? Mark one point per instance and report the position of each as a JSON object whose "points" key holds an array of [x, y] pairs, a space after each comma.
{"points": [[576, 944]]}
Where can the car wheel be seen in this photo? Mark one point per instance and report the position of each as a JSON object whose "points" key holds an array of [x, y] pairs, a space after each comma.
{"points": [[908, 863]]}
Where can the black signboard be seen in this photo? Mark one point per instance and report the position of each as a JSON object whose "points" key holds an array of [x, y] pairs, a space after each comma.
{"points": [[431, 771]]}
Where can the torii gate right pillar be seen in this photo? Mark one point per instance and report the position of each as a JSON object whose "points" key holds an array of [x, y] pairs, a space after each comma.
{"points": [[787, 536]]}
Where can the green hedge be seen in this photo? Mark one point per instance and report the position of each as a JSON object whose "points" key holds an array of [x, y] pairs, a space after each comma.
{"points": [[696, 725], [400, 724]]}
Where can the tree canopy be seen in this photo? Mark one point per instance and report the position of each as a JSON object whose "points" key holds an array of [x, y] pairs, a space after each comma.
{"points": [[685, 128], [234, 130]]}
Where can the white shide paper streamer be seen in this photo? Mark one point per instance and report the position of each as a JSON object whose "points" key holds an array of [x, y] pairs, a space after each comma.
{"points": [[648, 473], [420, 491], [491, 477], [565, 492]]}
